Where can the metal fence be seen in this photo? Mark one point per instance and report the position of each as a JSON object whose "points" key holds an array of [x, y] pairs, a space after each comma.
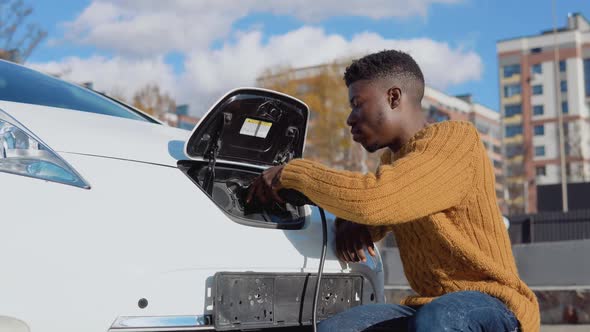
{"points": [[541, 227], [550, 226]]}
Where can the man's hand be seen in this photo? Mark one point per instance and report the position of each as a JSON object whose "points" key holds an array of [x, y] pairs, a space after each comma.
{"points": [[266, 187], [351, 239]]}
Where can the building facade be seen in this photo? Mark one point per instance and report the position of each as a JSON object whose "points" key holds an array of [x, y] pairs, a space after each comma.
{"points": [[542, 77], [180, 118]]}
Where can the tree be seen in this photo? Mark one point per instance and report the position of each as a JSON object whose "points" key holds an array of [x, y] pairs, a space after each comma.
{"points": [[17, 41], [150, 100], [323, 90], [118, 93]]}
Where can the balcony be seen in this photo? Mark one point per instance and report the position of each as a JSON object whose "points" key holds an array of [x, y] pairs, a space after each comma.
{"points": [[516, 139], [511, 80], [511, 180], [516, 201], [516, 99], [515, 119], [515, 160]]}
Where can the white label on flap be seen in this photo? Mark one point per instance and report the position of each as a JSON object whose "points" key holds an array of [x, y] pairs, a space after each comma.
{"points": [[249, 127], [263, 129], [257, 128]]}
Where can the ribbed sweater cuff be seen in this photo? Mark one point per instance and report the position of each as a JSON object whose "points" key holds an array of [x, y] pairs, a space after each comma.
{"points": [[294, 174]]}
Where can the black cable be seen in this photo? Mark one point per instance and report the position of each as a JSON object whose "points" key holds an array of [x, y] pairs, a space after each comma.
{"points": [[321, 268]]}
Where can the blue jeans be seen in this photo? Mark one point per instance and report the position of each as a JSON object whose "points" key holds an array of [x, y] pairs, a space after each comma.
{"points": [[459, 311]]}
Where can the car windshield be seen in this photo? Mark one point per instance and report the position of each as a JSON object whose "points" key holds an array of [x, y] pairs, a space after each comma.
{"points": [[23, 85]]}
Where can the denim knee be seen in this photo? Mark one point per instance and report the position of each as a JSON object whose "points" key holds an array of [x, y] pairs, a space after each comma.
{"points": [[464, 311], [370, 316], [436, 317]]}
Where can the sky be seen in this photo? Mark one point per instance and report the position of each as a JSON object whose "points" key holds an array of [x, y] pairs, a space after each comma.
{"points": [[196, 50]]}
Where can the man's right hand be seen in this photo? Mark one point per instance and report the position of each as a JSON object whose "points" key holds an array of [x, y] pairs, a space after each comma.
{"points": [[351, 239]]}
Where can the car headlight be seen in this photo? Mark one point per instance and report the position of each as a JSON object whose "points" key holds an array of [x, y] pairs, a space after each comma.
{"points": [[22, 153]]}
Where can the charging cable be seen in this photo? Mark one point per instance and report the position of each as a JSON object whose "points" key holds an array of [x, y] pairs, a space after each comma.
{"points": [[299, 199], [321, 268]]}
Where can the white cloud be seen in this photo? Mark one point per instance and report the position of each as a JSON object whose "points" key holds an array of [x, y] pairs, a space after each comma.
{"points": [[208, 74], [142, 33], [311, 11], [148, 27]]}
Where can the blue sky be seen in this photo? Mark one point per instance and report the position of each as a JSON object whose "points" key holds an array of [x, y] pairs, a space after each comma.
{"points": [[195, 50]]}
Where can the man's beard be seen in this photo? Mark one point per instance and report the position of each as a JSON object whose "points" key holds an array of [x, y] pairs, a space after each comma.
{"points": [[372, 148]]}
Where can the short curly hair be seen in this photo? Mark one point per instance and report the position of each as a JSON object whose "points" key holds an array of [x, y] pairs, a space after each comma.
{"points": [[392, 64]]}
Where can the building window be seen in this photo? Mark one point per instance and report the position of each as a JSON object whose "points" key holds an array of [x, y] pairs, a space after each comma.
{"points": [[497, 164], [539, 130], [541, 171], [441, 116], [563, 85], [513, 130], [539, 151], [497, 149], [587, 76], [482, 128], [511, 110], [513, 150], [511, 90], [496, 132], [537, 69], [511, 70], [536, 50], [562, 66], [537, 89], [565, 107], [514, 169], [538, 110], [434, 114]]}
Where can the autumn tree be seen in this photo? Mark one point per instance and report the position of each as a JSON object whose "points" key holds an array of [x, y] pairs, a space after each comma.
{"points": [[323, 90], [17, 39], [152, 101], [118, 93]]}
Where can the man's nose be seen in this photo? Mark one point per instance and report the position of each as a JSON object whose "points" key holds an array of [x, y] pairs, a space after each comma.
{"points": [[351, 120]]}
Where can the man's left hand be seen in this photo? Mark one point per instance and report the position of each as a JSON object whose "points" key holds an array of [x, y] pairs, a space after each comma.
{"points": [[266, 187]]}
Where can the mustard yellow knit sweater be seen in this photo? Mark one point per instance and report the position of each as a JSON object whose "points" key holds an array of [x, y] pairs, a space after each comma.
{"points": [[438, 196]]}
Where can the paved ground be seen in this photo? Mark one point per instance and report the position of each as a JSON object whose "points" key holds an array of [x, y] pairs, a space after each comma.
{"points": [[565, 328]]}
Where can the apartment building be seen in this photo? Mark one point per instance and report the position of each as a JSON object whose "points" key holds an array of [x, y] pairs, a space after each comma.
{"points": [[542, 77]]}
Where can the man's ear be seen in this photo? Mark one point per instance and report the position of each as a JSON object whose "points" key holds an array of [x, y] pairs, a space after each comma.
{"points": [[394, 97]]}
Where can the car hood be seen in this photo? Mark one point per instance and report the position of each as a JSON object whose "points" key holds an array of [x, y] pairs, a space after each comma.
{"points": [[72, 131]]}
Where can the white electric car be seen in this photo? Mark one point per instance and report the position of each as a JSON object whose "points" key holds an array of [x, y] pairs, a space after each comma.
{"points": [[112, 221]]}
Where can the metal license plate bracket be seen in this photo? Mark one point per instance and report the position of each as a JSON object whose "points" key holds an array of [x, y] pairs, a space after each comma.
{"points": [[269, 300]]}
